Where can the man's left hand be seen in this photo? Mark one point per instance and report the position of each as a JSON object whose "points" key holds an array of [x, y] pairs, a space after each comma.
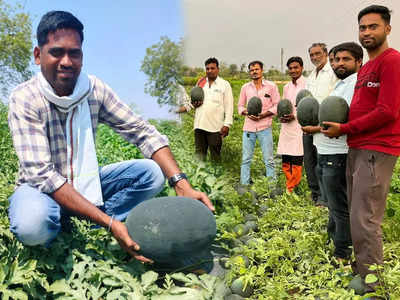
{"points": [[333, 129], [286, 118], [184, 189], [254, 118], [224, 131], [311, 129], [197, 104]]}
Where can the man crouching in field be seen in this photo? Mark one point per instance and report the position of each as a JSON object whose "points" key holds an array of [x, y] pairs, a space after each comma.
{"points": [[53, 119]]}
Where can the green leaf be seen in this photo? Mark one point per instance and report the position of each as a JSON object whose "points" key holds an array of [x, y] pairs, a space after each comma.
{"points": [[148, 279], [112, 282], [19, 295], [60, 287], [117, 295], [371, 278], [390, 212], [373, 267], [210, 180], [181, 277], [2, 274]]}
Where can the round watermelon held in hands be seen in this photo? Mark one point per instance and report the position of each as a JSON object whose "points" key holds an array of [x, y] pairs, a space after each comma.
{"points": [[333, 109], [172, 229], [307, 112], [196, 96], [285, 107], [302, 94], [254, 106]]}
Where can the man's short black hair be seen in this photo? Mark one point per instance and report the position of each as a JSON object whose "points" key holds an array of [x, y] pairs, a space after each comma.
{"points": [[322, 45], [54, 20], [255, 62], [212, 60], [376, 9], [294, 59], [332, 50], [354, 48]]}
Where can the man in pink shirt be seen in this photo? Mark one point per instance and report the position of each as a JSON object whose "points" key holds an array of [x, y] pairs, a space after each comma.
{"points": [[290, 144], [258, 127]]}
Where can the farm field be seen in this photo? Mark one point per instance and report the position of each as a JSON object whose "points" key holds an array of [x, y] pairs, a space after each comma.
{"points": [[289, 257]]}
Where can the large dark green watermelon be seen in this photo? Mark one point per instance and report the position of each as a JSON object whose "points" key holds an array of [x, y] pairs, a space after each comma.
{"points": [[285, 107], [254, 106], [307, 111], [174, 230], [301, 94], [196, 95], [333, 109]]}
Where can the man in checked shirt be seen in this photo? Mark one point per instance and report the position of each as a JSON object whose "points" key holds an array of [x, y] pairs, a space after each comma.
{"points": [[47, 115]]}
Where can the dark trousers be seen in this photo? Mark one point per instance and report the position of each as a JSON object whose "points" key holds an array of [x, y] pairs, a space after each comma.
{"points": [[310, 164], [368, 176], [332, 174], [204, 140]]}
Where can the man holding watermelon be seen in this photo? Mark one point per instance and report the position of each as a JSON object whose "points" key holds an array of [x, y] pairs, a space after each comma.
{"points": [[214, 114], [373, 137], [257, 126], [53, 119], [332, 153], [290, 144], [320, 83]]}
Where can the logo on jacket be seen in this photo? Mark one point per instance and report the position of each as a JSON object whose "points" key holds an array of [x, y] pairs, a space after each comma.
{"points": [[370, 80], [373, 84]]}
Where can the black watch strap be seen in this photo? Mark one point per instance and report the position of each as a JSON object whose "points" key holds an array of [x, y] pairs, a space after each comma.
{"points": [[173, 180]]}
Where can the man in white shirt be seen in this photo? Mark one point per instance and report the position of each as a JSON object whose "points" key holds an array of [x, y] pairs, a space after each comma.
{"points": [[214, 115], [320, 83], [332, 153]]}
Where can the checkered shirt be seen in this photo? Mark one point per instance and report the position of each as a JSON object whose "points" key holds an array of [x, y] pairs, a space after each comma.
{"points": [[39, 135]]}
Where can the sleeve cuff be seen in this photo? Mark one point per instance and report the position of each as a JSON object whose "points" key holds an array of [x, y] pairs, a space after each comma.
{"points": [[344, 128], [52, 183]]}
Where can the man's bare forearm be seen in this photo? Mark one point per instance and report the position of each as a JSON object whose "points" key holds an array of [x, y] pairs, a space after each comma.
{"points": [[164, 158], [266, 114], [69, 198]]}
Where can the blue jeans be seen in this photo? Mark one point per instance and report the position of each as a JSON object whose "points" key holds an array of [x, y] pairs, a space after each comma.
{"points": [[35, 217], [249, 141]]}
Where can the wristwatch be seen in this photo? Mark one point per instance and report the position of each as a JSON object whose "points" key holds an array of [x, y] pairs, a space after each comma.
{"points": [[173, 180]]}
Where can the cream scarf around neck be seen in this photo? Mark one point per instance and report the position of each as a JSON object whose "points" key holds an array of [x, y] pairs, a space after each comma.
{"points": [[81, 150]]}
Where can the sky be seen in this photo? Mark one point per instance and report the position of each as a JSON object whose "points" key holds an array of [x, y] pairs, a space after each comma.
{"points": [[239, 31], [116, 35]]}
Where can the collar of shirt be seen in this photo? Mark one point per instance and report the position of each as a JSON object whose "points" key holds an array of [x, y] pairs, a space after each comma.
{"points": [[216, 81], [347, 80], [325, 68], [300, 80], [263, 83], [345, 88]]}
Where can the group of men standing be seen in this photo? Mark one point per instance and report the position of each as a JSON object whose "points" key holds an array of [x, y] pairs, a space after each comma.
{"points": [[348, 166], [214, 116]]}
